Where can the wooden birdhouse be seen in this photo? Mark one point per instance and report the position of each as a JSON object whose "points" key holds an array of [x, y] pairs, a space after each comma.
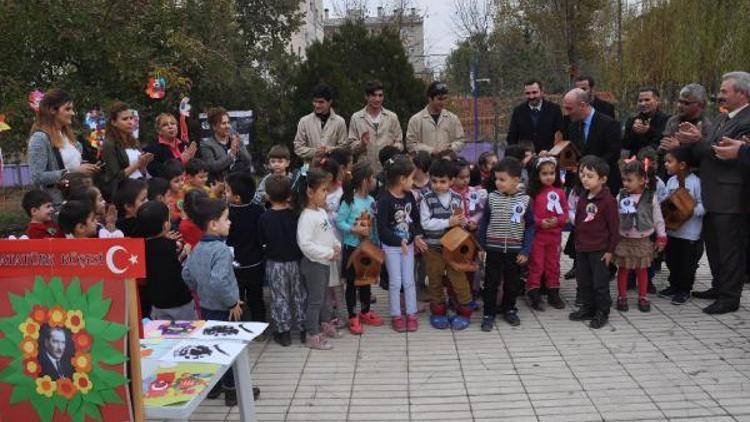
{"points": [[460, 250], [367, 260], [566, 152]]}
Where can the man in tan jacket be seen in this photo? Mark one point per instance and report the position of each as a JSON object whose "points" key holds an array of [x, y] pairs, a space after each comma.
{"points": [[435, 129], [322, 130], [374, 127]]}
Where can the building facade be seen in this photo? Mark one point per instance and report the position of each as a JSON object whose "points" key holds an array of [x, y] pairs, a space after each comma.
{"points": [[311, 29]]}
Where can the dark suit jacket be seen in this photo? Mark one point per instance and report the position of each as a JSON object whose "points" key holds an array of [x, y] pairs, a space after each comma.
{"points": [[603, 141], [744, 155], [634, 142], [543, 134], [724, 184], [162, 154], [603, 107], [48, 368]]}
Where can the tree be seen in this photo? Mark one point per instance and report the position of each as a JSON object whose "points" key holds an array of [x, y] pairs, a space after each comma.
{"points": [[350, 58]]}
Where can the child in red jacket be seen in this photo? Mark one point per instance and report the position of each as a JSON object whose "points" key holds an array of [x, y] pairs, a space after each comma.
{"points": [[550, 215]]}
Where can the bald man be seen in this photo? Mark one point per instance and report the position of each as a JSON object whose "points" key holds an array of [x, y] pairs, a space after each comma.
{"points": [[594, 133]]}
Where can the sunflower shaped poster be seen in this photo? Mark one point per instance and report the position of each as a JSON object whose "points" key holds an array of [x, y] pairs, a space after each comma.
{"points": [[64, 328]]}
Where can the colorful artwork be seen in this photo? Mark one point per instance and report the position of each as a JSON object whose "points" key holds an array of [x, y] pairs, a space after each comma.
{"points": [[63, 332], [3, 126], [222, 353], [35, 97], [223, 330], [177, 384], [157, 87], [155, 348], [170, 329], [96, 122]]}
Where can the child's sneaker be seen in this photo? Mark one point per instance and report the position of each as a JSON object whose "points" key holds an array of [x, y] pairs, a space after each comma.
{"points": [[411, 323], [354, 326], [644, 305], [535, 300], [511, 317], [680, 298], [600, 320], [398, 324], [371, 318], [317, 342], [338, 323], [582, 314], [329, 330], [622, 304], [668, 292], [488, 322], [458, 322]]}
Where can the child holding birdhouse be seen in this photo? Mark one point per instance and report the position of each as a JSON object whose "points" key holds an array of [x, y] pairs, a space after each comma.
{"points": [[356, 222]]}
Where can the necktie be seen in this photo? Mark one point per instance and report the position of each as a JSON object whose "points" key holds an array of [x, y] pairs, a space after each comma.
{"points": [[57, 367]]}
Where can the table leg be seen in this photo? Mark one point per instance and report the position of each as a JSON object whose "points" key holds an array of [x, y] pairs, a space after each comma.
{"points": [[244, 384]]}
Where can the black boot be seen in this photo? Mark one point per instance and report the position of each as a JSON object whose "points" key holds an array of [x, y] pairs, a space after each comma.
{"points": [[582, 314], [599, 321], [554, 300], [535, 300]]}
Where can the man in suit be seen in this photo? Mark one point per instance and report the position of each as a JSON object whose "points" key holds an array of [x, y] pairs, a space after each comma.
{"points": [[724, 186], [645, 128], [54, 356], [586, 83], [594, 133], [535, 120]]}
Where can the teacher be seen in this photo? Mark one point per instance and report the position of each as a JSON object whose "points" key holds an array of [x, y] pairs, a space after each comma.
{"points": [[223, 152], [121, 151], [53, 151]]}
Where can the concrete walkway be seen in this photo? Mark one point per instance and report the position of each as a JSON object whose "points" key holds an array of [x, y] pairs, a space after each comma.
{"points": [[674, 363]]}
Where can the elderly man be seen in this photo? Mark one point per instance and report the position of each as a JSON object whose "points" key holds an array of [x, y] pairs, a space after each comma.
{"points": [[322, 130], [645, 128], [587, 84], [435, 129], [54, 356], [536, 119], [594, 133], [724, 185], [374, 127]]}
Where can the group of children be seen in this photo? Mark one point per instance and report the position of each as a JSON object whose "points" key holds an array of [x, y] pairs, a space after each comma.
{"points": [[211, 250]]}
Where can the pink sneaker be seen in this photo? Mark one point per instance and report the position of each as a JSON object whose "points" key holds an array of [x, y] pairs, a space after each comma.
{"points": [[371, 318], [317, 342], [398, 324], [329, 330], [411, 323]]}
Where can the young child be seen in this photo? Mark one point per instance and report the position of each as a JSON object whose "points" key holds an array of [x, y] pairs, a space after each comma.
{"points": [[422, 162], [157, 189], [196, 177], [130, 195], [278, 161], [277, 231], [506, 233], [170, 298], [243, 238], [439, 211], [550, 208], [77, 220], [640, 215], [354, 202], [485, 164], [597, 233], [190, 231], [321, 250], [385, 154], [38, 206], [103, 213], [684, 244], [174, 172], [400, 232], [208, 270], [523, 152], [474, 201]]}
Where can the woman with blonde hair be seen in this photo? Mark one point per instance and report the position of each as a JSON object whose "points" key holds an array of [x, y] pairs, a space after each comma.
{"points": [[53, 151]]}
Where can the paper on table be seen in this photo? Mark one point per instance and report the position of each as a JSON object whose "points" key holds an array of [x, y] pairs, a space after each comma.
{"points": [[170, 329], [196, 351], [177, 384], [223, 330], [154, 348]]}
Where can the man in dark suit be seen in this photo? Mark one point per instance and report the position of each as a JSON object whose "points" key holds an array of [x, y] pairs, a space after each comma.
{"points": [[535, 120], [725, 189], [55, 353], [586, 83], [594, 133], [645, 129]]}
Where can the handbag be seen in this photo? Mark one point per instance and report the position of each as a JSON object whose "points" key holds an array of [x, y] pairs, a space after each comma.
{"points": [[678, 207]]}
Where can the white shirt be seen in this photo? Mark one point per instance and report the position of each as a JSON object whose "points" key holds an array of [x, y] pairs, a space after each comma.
{"points": [[133, 155], [734, 112], [70, 155], [316, 238]]}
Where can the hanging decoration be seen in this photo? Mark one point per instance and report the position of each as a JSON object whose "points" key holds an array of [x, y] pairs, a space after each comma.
{"points": [[35, 97], [184, 114], [157, 87]]}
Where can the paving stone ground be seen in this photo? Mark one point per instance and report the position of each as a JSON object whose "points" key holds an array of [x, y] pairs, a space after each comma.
{"points": [[674, 363]]}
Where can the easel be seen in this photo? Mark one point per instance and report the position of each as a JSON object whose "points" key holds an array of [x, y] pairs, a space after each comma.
{"points": [[134, 350]]}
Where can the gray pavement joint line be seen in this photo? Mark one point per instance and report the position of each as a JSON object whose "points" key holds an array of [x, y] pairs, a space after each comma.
{"points": [[354, 375], [666, 355], [624, 368], [562, 356], [515, 368], [296, 387], [408, 378], [463, 375], [722, 321]]}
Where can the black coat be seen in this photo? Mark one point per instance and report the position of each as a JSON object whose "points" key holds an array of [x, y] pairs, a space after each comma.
{"points": [[603, 107], [603, 141], [543, 133], [724, 183], [48, 368], [162, 154], [634, 142]]}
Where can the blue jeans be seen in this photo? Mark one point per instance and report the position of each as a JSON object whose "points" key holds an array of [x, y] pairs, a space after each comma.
{"points": [[227, 381], [400, 274]]}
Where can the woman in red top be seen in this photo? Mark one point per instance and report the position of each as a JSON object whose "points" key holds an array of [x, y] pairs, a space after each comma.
{"points": [[168, 146]]}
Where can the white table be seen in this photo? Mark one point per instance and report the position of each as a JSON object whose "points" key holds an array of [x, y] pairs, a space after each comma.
{"points": [[181, 412]]}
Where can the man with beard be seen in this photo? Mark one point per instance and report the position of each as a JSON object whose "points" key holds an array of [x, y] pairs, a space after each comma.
{"points": [[535, 120], [586, 83], [645, 129]]}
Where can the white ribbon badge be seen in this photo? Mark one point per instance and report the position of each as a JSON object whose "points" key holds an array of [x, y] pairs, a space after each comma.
{"points": [[518, 211], [473, 201], [553, 203], [627, 206]]}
